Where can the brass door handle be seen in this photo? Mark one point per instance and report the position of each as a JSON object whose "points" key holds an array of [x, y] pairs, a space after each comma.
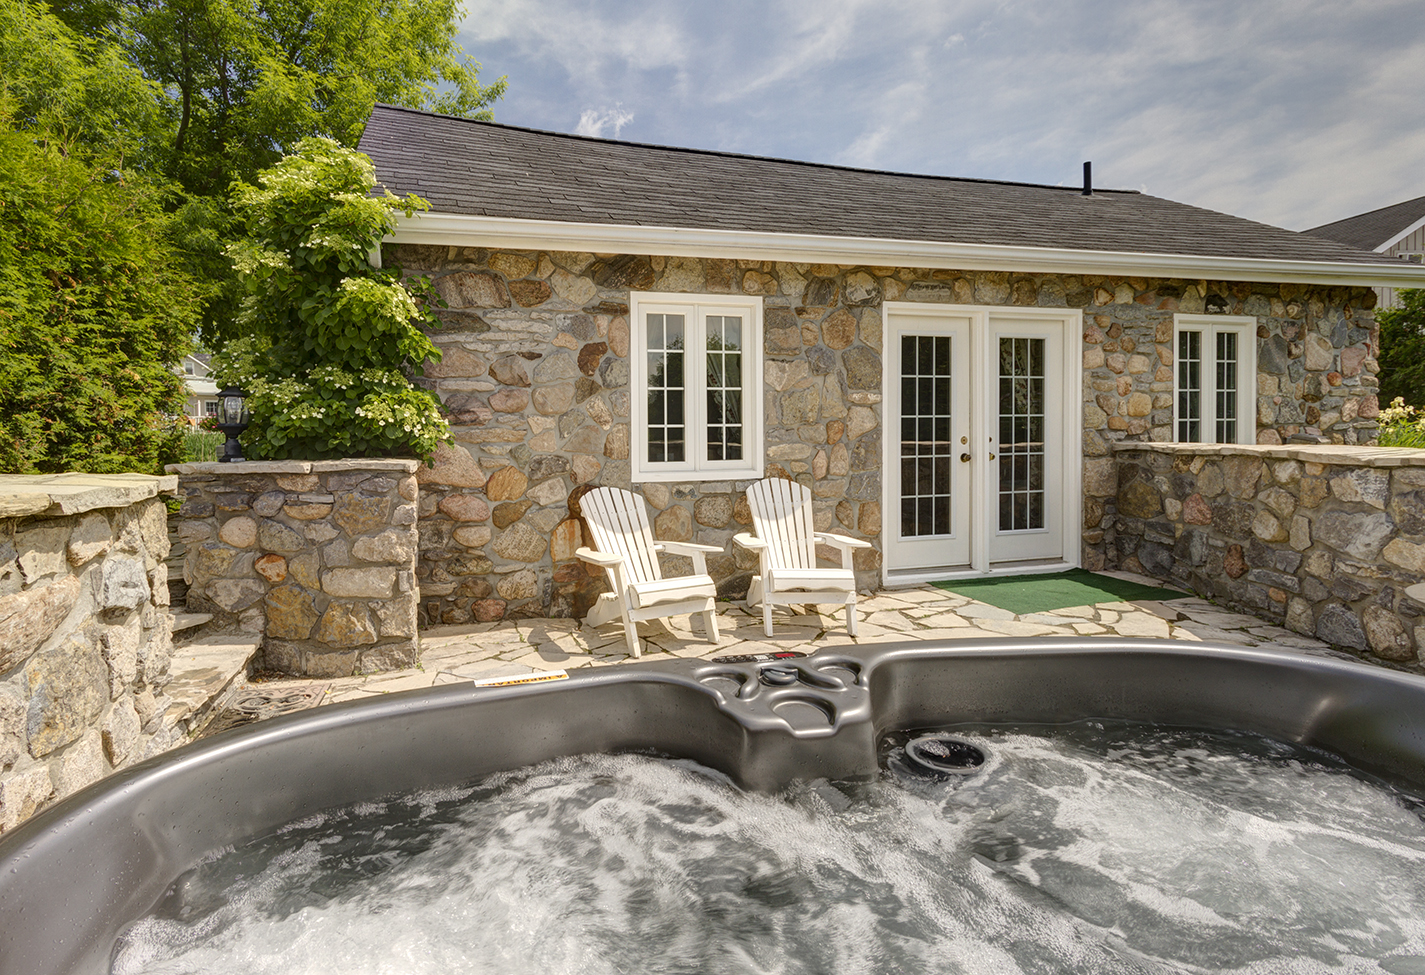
{"points": [[964, 458], [992, 456]]}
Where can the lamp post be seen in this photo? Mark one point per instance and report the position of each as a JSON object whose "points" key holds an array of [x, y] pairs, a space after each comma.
{"points": [[232, 420]]}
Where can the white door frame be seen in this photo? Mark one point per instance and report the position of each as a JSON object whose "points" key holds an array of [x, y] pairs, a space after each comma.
{"points": [[1071, 500], [954, 546]]}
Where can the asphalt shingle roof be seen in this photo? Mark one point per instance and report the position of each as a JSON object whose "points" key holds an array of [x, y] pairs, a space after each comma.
{"points": [[486, 169], [1369, 230]]}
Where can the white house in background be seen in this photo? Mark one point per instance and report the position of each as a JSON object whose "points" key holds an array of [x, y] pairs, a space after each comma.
{"points": [[1396, 231], [202, 391]]}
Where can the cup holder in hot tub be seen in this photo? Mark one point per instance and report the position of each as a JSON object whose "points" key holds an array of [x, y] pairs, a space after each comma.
{"points": [[729, 683], [842, 673], [804, 712], [804, 694]]}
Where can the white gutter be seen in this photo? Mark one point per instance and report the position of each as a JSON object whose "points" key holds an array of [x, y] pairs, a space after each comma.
{"points": [[464, 230]]}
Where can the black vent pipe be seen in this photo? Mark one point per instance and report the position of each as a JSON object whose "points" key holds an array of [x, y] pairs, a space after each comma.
{"points": [[1088, 179]]}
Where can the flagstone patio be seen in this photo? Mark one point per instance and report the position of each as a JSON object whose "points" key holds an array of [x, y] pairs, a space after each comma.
{"points": [[517, 647]]}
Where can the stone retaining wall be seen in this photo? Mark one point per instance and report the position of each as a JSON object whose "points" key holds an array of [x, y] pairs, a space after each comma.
{"points": [[317, 556], [85, 635], [535, 382], [1328, 540]]}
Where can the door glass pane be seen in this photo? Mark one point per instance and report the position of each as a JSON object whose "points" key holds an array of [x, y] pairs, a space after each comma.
{"points": [[724, 387], [666, 429], [926, 445], [1021, 425]]}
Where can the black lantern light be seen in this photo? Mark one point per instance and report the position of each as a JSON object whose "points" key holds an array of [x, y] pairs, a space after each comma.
{"points": [[232, 420]]}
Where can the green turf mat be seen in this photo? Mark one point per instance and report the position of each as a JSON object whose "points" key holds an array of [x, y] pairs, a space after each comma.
{"points": [[1044, 593]]}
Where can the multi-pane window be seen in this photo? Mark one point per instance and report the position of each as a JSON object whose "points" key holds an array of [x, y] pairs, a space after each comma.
{"points": [[667, 396], [724, 388], [1226, 414], [696, 382], [1215, 379], [1189, 391]]}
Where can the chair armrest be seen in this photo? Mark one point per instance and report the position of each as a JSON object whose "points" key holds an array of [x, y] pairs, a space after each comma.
{"points": [[842, 544], [749, 541], [598, 558], [840, 541], [688, 548]]}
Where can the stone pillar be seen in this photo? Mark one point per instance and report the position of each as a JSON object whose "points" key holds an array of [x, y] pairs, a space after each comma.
{"points": [[85, 637], [317, 556]]}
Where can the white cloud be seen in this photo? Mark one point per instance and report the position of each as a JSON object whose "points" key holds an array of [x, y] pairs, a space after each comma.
{"points": [[596, 123], [1290, 111]]}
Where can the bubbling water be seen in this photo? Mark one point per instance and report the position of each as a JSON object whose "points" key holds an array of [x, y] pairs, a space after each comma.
{"points": [[1086, 850]]}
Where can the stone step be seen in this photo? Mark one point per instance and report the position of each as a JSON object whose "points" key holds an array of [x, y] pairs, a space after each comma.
{"points": [[206, 675], [188, 621]]}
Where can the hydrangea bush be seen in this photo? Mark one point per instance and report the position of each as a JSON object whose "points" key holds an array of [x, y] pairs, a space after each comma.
{"points": [[329, 341]]}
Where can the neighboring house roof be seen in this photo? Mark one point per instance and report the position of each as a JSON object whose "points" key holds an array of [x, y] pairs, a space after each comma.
{"points": [[1378, 229], [486, 170]]}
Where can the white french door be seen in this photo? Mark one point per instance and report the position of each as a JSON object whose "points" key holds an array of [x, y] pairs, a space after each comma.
{"points": [[982, 426], [928, 423], [1025, 459]]}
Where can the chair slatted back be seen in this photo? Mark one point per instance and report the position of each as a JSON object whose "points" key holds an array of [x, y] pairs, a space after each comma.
{"points": [[619, 523], [781, 515]]}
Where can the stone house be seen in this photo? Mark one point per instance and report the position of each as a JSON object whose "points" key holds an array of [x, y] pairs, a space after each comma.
{"points": [[947, 363]]}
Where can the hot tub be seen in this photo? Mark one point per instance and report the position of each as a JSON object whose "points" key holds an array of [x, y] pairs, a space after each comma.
{"points": [[75, 876]]}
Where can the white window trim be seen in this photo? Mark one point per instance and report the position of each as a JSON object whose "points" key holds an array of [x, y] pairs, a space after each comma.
{"points": [[697, 307], [1210, 325]]}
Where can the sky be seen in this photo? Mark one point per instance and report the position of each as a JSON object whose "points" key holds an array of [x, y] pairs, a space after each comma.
{"points": [[1291, 112]]}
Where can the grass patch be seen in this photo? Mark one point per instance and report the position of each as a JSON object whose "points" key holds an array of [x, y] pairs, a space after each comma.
{"points": [[1045, 593], [202, 446]]}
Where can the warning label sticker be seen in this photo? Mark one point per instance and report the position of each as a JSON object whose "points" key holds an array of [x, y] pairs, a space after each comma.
{"points": [[541, 678]]}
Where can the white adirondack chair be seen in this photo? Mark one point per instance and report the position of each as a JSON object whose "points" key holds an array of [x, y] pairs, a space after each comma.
{"points": [[785, 544], [627, 552]]}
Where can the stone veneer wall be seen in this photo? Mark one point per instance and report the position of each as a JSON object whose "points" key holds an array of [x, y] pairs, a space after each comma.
{"points": [[85, 636], [1328, 540], [318, 556], [535, 381]]}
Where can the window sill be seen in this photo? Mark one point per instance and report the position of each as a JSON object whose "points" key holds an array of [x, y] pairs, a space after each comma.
{"points": [[694, 477]]}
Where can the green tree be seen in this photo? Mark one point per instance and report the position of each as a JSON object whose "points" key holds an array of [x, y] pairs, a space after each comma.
{"points": [[92, 310], [75, 92], [243, 80], [327, 336], [93, 305], [1402, 349]]}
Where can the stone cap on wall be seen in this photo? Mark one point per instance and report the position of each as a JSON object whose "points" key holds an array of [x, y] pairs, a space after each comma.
{"points": [[22, 495], [1337, 454], [298, 466]]}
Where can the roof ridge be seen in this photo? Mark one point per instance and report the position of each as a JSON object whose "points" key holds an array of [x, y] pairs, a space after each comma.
{"points": [[1367, 213], [743, 155]]}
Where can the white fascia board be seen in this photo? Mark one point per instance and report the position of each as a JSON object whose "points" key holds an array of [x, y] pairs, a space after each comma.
{"points": [[463, 230], [1383, 248]]}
